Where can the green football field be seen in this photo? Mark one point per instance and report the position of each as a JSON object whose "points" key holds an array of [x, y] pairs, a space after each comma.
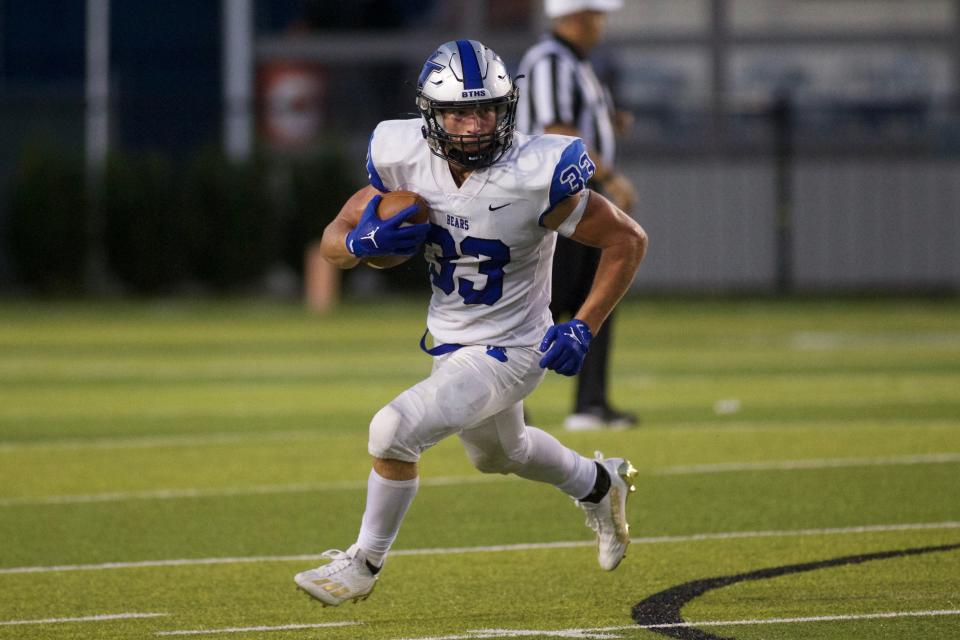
{"points": [[165, 469]]}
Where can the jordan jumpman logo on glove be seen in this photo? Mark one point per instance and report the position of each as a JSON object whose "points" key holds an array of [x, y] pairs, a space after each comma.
{"points": [[565, 346], [375, 237]]}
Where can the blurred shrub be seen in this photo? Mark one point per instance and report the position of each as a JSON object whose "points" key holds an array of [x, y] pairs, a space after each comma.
{"points": [[147, 232], [236, 234], [47, 218], [207, 221], [317, 188]]}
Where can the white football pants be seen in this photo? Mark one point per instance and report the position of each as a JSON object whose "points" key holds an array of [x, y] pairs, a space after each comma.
{"points": [[474, 394]]}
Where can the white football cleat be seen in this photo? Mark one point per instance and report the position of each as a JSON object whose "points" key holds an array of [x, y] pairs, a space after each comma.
{"points": [[609, 516], [345, 577]]}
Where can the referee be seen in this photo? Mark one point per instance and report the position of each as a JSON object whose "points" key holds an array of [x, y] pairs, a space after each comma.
{"points": [[563, 95]]}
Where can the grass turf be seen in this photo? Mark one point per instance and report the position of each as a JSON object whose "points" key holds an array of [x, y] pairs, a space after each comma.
{"points": [[157, 431]]}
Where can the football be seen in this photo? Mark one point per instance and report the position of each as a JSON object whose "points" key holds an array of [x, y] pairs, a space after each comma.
{"points": [[392, 203]]}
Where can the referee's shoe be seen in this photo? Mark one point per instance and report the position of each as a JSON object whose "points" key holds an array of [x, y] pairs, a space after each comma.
{"points": [[596, 418]]}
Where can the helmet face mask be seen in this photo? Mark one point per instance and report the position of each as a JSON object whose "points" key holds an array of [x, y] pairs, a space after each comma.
{"points": [[464, 75]]}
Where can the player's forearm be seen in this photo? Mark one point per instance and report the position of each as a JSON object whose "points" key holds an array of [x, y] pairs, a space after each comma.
{"points": [[333, 246], [618, 266]]}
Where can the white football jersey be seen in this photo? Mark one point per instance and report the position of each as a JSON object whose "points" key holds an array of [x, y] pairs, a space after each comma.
{"points": [[489, 256]]}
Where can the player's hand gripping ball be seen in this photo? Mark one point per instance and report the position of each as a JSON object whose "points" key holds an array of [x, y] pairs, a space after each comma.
{"points": [[394, 202], [392, 228]]}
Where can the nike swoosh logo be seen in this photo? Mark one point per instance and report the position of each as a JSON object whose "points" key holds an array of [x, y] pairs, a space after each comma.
{"points": [[493, 208]]}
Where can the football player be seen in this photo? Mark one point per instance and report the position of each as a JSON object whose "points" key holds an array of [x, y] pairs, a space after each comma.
{"points": [[497, 200]]}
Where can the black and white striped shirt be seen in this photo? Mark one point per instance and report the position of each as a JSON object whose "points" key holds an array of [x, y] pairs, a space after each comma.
{"points": [[561, 87]]}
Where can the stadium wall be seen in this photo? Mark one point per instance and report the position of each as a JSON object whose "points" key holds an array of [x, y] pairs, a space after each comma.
{"points": [[857, 225]]}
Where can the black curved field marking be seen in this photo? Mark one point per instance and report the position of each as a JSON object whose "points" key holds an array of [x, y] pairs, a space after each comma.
{"points": [[664, 607]]}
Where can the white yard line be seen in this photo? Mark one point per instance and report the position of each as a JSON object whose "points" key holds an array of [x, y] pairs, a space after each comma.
{"points": [[614, 632], [156, 442], [478, 634], [439, 551], [284, 627], [253, 490], [97, 618], [833, 340], [811, 463], [268, 489], [858, 616]]}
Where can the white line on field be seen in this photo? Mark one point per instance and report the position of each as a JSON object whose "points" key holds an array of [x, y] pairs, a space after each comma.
{"points": [[151, 442], [97, 618], [443, 481], [285, 627], [262, 489], [859, 616], [812, 463], [438, 551], [606, 632], [831, 340]]}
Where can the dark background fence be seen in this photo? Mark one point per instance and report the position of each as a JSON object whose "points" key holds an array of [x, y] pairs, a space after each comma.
{"points": [[799, 153]]}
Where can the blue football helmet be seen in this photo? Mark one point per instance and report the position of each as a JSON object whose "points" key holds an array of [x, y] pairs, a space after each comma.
{"points": [[465, 74]]}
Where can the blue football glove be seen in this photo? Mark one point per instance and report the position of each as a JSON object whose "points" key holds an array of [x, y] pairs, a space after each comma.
{"points": [[375, 237], [565, 346]]}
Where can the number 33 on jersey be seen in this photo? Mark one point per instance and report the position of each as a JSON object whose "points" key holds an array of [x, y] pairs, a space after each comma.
{"points": [[489, 254]]}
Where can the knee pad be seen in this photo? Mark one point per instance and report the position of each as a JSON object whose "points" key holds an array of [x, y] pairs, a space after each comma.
{"points": [[498, 456], [492, 462], [389, 437]]}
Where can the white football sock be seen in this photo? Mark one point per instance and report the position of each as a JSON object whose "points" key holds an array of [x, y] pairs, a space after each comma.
{"points": [[387, 503], [550, 461]]}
